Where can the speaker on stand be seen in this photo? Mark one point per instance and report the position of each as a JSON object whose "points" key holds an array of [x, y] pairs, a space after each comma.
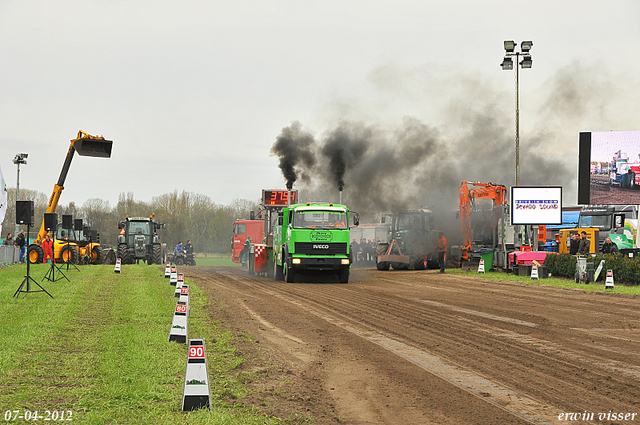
{"points": [[25, 215]]}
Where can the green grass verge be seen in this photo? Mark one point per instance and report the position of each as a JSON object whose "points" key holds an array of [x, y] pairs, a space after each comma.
{"points": [[100, 349], [552, 281]]}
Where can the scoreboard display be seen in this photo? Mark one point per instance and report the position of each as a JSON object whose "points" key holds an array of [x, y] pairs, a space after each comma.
{"points": [[277, 197]]}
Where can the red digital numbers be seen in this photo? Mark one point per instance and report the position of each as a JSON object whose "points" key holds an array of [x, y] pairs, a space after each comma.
{"points": [[278, 197], [196, 352]]}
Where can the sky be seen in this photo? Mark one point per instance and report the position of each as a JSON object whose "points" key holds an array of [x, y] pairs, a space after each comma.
{"points": [[194, 94]]}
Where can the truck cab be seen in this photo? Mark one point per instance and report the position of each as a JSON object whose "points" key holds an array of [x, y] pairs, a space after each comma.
{"points": [[312, 237]]}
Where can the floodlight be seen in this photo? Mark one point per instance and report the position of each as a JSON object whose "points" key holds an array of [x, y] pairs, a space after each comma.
{"points": [[509, 45], [526, 62], [525, 46], [507, 64]]}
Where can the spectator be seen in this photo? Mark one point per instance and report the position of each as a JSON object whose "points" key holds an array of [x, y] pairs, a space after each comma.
{"points": [[574, 244], [609, 247], [21, 242], [585, 244], [8, 240]]}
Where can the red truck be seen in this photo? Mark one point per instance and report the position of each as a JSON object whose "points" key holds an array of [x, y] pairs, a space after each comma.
{"points": [[242, 230]]}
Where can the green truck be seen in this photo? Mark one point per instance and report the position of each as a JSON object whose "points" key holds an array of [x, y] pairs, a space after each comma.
{"points": [[312, 237]]}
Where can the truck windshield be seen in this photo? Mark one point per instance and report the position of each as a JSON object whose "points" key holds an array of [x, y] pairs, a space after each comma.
{"points": [[320, 220], [602, 222]]}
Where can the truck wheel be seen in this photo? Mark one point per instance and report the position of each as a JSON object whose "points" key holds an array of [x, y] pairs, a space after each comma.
{"points": [[35, 254], [383, 265], [289, 274], [632, 181], [156, 254], [97, 255], [68, 254], [343, 275], [277, 271]]}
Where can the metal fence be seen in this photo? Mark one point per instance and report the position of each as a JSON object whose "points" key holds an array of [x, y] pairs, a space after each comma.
{"points": [[9, 255]]}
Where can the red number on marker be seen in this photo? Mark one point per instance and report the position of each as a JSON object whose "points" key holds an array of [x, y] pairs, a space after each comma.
{"points": [[196, 351], [181, 308]]}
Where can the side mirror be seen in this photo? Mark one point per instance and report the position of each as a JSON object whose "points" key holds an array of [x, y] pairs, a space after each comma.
{"points": [[356, 219], [121, 225], [280, 218]]}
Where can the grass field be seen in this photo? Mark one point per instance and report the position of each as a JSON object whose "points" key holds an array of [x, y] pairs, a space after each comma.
{"points": [[99, 350], [553, 281]]}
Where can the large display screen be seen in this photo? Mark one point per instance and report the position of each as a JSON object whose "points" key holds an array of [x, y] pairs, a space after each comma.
{"points": [[609, 168], [536, 205]]}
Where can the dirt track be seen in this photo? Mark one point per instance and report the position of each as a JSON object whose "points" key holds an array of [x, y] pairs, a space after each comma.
{"points": [[416, 347]]}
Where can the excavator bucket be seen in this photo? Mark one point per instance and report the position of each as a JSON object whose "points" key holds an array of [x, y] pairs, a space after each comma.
{"points": [[93, 147]]}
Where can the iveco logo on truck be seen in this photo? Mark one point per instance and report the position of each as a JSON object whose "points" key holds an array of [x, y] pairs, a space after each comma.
{"points": [[320, 246]]}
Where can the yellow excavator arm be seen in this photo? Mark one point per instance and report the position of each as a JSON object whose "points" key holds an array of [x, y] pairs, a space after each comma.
{"points": [[86, 145]]}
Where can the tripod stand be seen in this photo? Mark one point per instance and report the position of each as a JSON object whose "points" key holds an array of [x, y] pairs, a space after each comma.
{"points": [[27, 279], [51, 274], [69, 263]]}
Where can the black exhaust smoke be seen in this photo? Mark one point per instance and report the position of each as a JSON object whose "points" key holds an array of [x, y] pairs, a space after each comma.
{"points": [[295, 148]]}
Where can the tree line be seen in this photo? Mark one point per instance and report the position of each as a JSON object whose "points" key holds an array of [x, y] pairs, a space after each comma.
{"points": [[187, 216]]}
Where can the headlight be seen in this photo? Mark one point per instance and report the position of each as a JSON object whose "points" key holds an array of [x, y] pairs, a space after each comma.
{"points": [[344, 261], [295, 261]]}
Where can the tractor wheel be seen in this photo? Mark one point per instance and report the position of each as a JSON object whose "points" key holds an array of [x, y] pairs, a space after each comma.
{"points": [[96, 255], [123, 254], [35, 254], [156, 255], [110, 257], [383, 265], [68, 254], [289, 274], [417, 262]]}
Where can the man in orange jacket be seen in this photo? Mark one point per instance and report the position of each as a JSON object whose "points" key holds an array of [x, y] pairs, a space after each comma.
{"points": [[441, 249], [47, 247]]}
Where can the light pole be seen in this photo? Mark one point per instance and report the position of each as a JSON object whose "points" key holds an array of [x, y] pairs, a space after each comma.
{"points": [[20, 158], [507, 65]]}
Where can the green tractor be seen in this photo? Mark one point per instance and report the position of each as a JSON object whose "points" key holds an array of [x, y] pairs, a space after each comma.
{"points": [[138, 240], [411, 242]]}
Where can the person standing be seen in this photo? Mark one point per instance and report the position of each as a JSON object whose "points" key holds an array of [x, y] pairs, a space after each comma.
{"points": [[585, 244], [21, 242], [441, 249], [8, 240], [609, 247], [188, 248], [574, 244], [47, 247]]}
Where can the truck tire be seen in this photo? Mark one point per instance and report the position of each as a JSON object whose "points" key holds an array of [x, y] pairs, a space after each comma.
{"points": [[632, 181], [35, 254], [96, 255], [277, 271], [68, 254], [156, 254], [343, 275], [289, 274], [123, 254]]}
